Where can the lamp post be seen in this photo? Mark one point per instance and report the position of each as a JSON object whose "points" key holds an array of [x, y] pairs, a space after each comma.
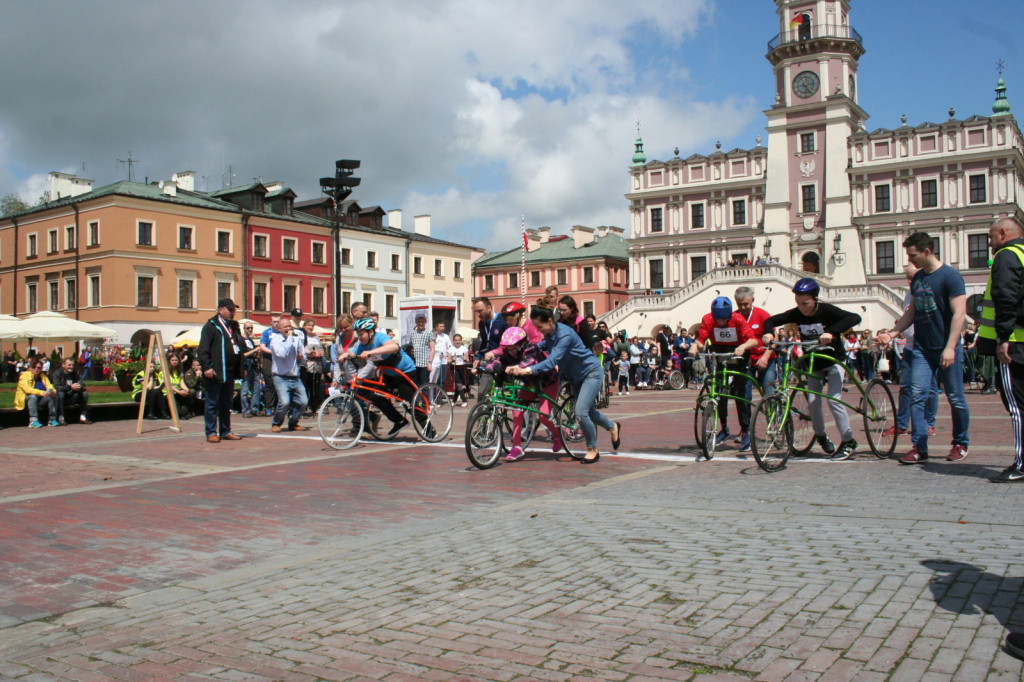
{"points": [[838, 257], [338, 188]]}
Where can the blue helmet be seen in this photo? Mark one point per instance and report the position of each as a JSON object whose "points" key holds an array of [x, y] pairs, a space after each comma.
{"points": [[807, 285], [365, 324], [721, 308]]}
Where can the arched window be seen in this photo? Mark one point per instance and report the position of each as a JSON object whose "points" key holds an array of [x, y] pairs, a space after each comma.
{"points": [[804, 31]]}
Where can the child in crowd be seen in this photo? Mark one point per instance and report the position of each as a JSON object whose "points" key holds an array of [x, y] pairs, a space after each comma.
{"points": [[624, 372]]}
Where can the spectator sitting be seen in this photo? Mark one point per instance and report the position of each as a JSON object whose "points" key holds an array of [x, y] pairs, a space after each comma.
{"points": [[193, 380], [156, 401], [35, 391], [178, 387], [71, 392]]}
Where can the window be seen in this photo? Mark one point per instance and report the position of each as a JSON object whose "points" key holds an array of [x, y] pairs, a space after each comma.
{"points": [[937, 246], [882, 203], [53, 288], [396, 262], [389, 305], [94, 233], [696, 215], [561, 277], [417, 265], [186, 293], [438, 267], [535, 278], [588, 274], [223, 241], [69, 238], [588, 308], [259, 246], [457, 269], [739, 212], [977, 250], [94, 291], [318, 300], [144, 297], [929, 193], [656, 223], [51, 241], [978, 194], [70, 294], [224, 290], [810, 202], [290, 292], [806, 142], [185, 239], [319, 253], [657, 273], [31, 250], [346, 301], [371, 259], [513, 280], [288, 250], [31, 298], [259, 296], [368, 300], [885, 257], [698, 266], [488, 282], [144, 233], [346, 256]]}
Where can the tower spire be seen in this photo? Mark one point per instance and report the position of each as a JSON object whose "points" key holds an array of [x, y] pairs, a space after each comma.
{"points": [[639, 158], [1001, 107]]}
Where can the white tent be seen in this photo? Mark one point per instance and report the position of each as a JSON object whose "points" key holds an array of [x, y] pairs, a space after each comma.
{"points": [[52, 326]]}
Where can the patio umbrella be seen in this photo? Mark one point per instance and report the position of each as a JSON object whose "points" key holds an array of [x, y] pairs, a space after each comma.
{"points": [[53, 326]]}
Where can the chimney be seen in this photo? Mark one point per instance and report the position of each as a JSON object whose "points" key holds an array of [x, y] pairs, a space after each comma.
{"points": [[532, 240], [185, 180], [616, 230], [168, 188], [395, 219], [66, 185], [602, 231], [545, 234], [581, 236], [421, 225]]}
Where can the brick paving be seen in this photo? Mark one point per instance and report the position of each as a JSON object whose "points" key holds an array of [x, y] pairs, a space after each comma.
{"points": [[162, 557]]}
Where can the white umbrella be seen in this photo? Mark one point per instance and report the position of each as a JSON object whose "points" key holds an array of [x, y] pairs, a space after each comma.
{"points": [[54, 326]]}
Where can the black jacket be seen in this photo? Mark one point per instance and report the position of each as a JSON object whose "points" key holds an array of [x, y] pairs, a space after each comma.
{"points": [[62, 380], [1008, 299], [220, 350]]}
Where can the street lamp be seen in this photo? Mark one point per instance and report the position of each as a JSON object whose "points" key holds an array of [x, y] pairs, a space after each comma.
{"points": [[838, 257], [338, 188]]}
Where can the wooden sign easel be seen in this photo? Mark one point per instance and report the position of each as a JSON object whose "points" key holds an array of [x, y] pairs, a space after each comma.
{"points": [[155, 340]]}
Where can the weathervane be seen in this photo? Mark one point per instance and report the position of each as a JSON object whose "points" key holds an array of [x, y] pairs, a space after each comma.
{"points": [[131, 162], [1000, 65]]}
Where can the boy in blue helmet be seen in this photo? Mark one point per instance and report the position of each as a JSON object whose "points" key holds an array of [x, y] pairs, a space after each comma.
{"points": [[726, 331], [826, 324]]}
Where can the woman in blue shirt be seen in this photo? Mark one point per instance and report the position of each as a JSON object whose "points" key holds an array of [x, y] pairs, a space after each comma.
{"points": [[581, 369]]}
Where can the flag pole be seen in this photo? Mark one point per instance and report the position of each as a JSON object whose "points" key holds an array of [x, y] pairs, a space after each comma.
{"points": [[522, 270]]}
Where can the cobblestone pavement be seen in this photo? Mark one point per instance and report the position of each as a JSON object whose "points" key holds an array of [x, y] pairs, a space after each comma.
{"points": [[160, 557]]}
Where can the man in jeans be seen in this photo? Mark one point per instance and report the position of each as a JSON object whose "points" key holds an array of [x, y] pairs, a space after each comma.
{"points": [[288, 353], [269, 393], [938, 307], [421, 339], [251, 369], [70, 386]]}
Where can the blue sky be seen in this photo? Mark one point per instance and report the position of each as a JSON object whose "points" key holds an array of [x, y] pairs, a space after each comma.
{"points": [[474, 111]]}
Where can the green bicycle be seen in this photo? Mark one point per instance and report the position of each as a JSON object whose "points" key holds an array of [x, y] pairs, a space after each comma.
{"points": [[706, 423], [783, 417]]}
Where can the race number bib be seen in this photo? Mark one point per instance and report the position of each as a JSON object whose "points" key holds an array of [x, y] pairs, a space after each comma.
{"points": [[809, 332], [726, 335]]}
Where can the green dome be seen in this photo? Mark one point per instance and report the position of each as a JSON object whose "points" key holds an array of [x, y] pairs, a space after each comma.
{"points": [[1001, 107], [639, 158]]}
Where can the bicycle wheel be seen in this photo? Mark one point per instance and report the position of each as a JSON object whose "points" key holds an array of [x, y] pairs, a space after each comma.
{"points": [[879, 412], [698, 411], [432, 412], [564, 418], [340, 421], [484, 443], [708, 427], [530, 423], [803, 427], [675, 380], [771, 433]]}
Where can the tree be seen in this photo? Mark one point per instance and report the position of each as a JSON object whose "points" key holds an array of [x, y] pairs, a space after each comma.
{"points": [[12, 203]]}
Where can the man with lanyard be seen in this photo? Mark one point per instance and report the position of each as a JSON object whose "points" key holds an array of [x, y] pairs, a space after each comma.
{"points": [[289, 354], [824, 323], [378, 351], [269, 393], [252, 367], [491, 327], [1002, 334], [727, 331], [937, 310], [220, 357]]}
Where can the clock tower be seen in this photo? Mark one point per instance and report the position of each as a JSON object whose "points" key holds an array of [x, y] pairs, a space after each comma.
{"points": [[807, 197]]}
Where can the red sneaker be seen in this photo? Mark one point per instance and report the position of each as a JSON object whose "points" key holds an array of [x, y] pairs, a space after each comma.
{"points": [[894, 431], [914, 457], [931, 432], [957, 453]]}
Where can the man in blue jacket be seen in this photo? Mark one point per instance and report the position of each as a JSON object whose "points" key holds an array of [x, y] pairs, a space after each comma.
{"points": [[220, 358]]}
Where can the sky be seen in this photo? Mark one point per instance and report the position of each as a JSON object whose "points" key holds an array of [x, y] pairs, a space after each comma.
{"points": [[476, 112]]}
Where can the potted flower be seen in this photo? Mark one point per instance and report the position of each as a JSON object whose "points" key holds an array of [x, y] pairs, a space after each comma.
{"points": [[126, 364]]}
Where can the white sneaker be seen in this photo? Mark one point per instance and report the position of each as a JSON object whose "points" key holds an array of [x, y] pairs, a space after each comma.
{"points": [[619, 393], [627, 392]]}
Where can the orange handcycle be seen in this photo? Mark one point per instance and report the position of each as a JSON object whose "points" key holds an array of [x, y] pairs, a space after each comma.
{"points": [[346, 416]]}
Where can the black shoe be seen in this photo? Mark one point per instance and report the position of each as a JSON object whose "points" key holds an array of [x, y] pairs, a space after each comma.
{"points": [[825, 444], [1010, 474], [1015, 644], [398, 426], [845, 451]]}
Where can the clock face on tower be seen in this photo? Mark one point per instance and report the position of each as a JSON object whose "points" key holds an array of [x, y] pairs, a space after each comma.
{"points": [[805, 84]]}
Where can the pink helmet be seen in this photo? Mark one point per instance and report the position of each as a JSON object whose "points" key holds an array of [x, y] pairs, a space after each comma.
{"points": [[512, 336]]}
